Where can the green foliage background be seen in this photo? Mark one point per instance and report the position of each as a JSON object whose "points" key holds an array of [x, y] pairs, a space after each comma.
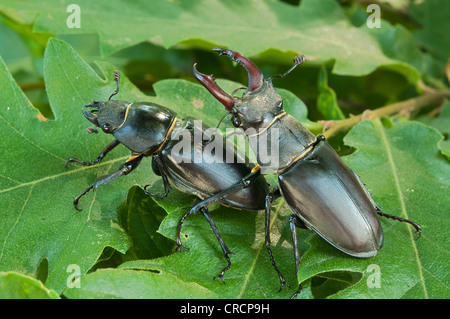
{"points": [[123, 242]]}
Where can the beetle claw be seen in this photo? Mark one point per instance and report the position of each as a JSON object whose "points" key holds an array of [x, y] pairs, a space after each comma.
{"points": [[91, 130], [146, 192], [419, 231], [75, 204], [299, 289], [180, 247], [222, 272], [220, 275], [284, 284]]}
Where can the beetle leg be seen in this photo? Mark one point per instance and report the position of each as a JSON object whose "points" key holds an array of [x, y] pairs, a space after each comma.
{"points": [[243, 183], [299, 289], [202, 205], [107, 149], [292, 223], [180, 224], [274, 194], [225, 249], [163, 171], [295, 221], [415, 225], [380, 213], [123, 170]]}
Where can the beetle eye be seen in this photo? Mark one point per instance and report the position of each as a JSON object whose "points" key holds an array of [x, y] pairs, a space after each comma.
{"points": [[236, 121], [106, 127], [280, 104]]}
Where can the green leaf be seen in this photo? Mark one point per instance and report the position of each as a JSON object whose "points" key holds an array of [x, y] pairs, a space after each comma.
{"points": [[248, 27], [19, 59], [141, 218], [38, 220], [442, 124], [41, 234], [327, 101], [251, 274], [132, 284], [40, 227], [433, 17], [399, 44], [326, 284], [17, 286], [408, 178]]}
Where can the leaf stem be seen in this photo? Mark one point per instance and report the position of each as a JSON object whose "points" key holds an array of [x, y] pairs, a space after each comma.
{"points": [[332, 127]]}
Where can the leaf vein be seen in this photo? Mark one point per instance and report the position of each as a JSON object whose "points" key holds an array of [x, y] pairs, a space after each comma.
{"points": [[401, 199], [16, 222], [258, 252], [46, 178], [28, 140]]}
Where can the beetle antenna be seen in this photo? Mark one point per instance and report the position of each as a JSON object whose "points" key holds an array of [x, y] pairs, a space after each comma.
{"points": [[215, 130], [226, 123], [221, 120], [297, 61], [238, 89], [117, 79]]}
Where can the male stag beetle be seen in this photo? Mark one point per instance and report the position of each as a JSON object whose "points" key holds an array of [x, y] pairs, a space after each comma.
{"points": [[322, 191], [148, 129]]}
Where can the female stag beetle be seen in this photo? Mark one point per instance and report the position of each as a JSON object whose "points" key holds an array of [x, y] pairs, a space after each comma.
{"points": [[322, 191], [148, 129]]}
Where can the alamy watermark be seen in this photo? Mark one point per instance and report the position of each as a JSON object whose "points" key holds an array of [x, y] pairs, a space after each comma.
{"points": [[73, 280], [74, 19], [374, 277], [374, 19], [210, 146]]}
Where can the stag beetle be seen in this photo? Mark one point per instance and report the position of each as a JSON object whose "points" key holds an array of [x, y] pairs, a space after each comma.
{"points": [[148, 129], [322, 191]]}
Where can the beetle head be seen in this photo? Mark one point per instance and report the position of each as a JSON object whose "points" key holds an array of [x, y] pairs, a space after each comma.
{"points": [[108, 115], [256, 109], [259, 105]]}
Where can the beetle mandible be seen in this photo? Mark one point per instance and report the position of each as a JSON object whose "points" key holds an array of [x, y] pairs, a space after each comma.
{"points": [[322, 191]]}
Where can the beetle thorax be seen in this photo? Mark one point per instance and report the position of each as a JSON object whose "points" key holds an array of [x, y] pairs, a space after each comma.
{"points": [[258, 109]]}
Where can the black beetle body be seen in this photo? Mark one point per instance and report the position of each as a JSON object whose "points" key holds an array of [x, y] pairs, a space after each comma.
{"points": [[149, 129], [140, 126], [322, 191], [331, 192], [216, 175]]}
